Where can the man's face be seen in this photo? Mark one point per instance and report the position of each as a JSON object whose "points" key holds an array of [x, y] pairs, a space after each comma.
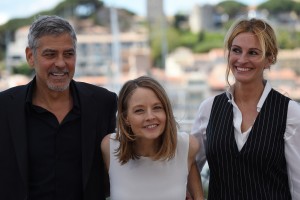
{"points": [[54, 62]]}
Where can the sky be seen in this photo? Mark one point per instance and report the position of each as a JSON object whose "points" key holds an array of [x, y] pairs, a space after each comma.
{"points": [[24, 8]]}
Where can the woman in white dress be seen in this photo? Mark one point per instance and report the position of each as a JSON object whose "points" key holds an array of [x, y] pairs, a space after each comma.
{"points": [[146, 158]]}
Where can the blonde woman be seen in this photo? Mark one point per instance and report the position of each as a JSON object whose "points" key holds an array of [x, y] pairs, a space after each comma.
{"points": [[251, 132]]}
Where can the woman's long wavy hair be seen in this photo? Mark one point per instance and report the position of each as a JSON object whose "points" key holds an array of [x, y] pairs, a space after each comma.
{"points": [[168, 140]]}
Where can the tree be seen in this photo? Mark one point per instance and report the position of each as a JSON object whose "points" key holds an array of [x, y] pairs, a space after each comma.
{"points": [[276, 6], [179, 19], [232, 8], [23, 69]]}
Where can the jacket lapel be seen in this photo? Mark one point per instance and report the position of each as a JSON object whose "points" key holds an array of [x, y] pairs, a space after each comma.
{"points": [[17, 123], [88, 130]]}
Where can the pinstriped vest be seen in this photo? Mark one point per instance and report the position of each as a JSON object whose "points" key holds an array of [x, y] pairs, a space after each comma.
{"points": [[258, 171]]}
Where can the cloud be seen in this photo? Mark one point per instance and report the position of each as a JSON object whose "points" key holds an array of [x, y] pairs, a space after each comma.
{"points": [[20, 8], [40, 5], [3, 18]]}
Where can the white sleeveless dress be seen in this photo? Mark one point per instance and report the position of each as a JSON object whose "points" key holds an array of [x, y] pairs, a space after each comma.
{"points": [[145, 179]]}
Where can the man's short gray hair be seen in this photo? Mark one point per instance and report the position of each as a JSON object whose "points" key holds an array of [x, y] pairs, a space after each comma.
{"points": [[46, 25]]}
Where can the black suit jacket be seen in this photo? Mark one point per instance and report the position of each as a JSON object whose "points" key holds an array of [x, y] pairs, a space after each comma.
{"points": [[98, 109]]}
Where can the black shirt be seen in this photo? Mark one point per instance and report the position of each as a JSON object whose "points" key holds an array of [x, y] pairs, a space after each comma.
{"points": [[55, 165]]}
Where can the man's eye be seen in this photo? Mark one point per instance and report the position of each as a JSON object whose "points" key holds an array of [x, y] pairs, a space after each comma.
{"points": [[49, 54], [69, 54]]}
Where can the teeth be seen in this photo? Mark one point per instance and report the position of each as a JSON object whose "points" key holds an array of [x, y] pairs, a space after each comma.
{"points": [[58, 74], [151, 126], [243, 69]]}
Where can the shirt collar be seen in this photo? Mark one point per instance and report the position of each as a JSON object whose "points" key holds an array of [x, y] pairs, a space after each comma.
{"points": [[267, 89], [30, 91], [74, 93]]}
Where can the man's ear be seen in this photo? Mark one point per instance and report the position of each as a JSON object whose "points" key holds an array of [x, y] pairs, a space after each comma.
{"points": [[29, 56]]}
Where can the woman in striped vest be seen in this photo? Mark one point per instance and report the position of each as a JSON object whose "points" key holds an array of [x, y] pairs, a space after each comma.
{"points": [[251, 132]]}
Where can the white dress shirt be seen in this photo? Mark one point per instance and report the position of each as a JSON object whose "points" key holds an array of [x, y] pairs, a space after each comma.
{"points": [[291, 135]]}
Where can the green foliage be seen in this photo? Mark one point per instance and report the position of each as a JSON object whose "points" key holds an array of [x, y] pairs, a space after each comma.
{"points": [[2, 66], [209, 40], [232, 8], [68, 7], [203, 41], [276, 6], [177, 35], [64, 9], [16, 23], [199, 43], [201, 36], [23, 69], [188, 39], [215, 36], [287, 39], [172, 36], [206, 46], [178, 20]]}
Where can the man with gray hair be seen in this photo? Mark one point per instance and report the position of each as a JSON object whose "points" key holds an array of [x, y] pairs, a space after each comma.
{"points": [[51, 128]]}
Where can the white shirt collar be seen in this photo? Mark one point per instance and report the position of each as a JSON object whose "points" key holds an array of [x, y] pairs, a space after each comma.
{"points": [[261, 101]]}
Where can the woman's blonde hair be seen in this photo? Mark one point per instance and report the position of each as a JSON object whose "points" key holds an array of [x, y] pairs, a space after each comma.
{"points": [[264, 32], [168, 140]]}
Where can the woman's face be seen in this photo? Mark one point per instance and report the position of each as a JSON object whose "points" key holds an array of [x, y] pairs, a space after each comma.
{"points": [[245, 59], [146, 114]]}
